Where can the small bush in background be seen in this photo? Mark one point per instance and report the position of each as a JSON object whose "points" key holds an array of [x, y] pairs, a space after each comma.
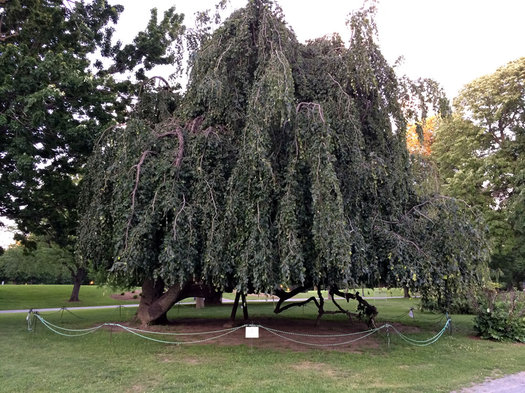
{"points": [[501, 316]]}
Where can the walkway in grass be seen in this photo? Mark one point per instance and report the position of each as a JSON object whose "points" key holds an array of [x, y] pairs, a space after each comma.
{"points": [[224, 301], [514, 383]]}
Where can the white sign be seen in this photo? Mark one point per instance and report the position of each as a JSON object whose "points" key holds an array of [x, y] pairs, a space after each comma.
{"points": [[252, 332]]}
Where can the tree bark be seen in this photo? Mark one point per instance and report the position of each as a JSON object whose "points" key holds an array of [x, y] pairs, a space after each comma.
{"points": [[212, 297], [406, 293], [155, 303], [366, 308], [78, 277], [235, 306], [284, 296], [244, 307]]}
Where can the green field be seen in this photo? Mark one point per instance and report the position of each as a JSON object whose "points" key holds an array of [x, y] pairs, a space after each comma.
{"points": [[14, 297], [42, 361]]}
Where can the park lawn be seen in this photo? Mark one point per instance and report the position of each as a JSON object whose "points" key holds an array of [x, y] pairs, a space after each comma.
{"points": [[16, 297], [42, 361]]}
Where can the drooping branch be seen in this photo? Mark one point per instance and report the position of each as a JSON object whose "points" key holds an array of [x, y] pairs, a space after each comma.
{"points": [[160, 78], [321, 310], [319, 302], [177, 217], [284, 296], [311, 106], [279, 309], [341, 309], [366, 308], [180, 151], [134, 193], [239, 296]]}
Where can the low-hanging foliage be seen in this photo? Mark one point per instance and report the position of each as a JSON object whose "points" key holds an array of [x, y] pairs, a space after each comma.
{"points": [[282, 164]]}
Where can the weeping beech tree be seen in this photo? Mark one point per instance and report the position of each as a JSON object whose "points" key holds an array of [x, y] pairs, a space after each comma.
{"points": [[282, 168]]}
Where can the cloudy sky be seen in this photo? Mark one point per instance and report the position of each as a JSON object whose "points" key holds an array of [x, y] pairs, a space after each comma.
{"points": [[451, 41]]}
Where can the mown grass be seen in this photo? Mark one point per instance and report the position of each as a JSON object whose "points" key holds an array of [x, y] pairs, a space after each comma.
{"points": [[42, 361], [16, 297]]}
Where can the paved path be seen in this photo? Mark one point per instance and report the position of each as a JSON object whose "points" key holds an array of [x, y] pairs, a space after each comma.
{"points": [[510, 384], [65, 308], [224, 301]]}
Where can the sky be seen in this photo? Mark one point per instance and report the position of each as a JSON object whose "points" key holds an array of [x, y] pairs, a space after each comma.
{"points": [[450, 41]]}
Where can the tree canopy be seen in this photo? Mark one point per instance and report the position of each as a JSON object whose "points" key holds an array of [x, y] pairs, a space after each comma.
{"points": [[284, 164], [56, 101], [46, 264], [479, 152]]}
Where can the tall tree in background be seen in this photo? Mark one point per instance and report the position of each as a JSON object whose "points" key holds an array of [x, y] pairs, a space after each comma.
{"points": [[46, 264], [479, 151], [422, 144], [55, 104], [283, 165]]}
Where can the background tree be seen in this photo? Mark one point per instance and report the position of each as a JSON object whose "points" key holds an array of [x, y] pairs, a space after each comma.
{"points": [[46, 264], [418, 145], [283, 165], [55, 103], [479, 154]]}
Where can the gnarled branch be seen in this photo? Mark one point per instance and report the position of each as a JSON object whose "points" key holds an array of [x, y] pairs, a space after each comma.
{"points": [[180, 151], [134, 193]]}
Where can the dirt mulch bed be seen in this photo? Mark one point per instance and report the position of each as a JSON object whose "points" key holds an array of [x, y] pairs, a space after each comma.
{"points": [[134, 295], [301, 333]]}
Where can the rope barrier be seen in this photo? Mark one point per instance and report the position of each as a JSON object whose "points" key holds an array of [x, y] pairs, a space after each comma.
{"points": [[181, 333], [230, 331], [319, 335], [422, 343], [32, 317], [322, 345], [66, 334]]}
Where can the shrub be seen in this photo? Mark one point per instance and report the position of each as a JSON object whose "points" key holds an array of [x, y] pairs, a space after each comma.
{"points": [[460, 305], [501, 316]]}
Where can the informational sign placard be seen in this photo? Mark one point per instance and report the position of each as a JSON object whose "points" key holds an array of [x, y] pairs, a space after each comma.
{"points": [[252, 332]]}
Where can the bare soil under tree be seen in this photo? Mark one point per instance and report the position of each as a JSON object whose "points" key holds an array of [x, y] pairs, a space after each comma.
{"points": [[268, 340]]}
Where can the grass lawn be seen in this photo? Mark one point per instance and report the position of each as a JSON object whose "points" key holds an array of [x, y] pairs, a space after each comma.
{"points": [[13, 297], [42, 361]]}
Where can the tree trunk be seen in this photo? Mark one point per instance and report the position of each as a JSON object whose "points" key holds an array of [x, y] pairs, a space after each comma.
{"points": [[212, 297], [244, 307], [406, 293], [78, 277], [235, 306], [242, 297], [155, 303]]}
